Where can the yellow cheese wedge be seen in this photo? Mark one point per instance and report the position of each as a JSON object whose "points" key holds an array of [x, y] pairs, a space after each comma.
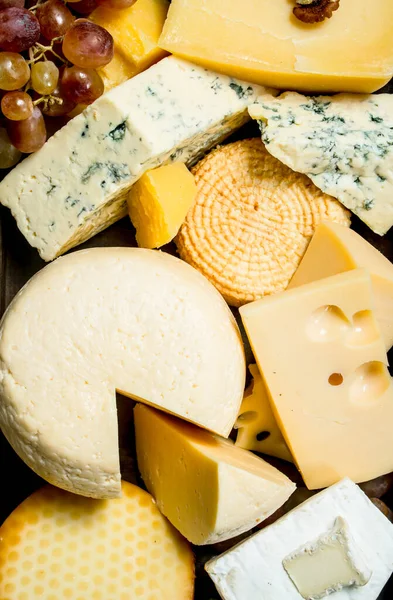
{"points": [[135, 31], [56, 545], [208, 488], [159, 202], [261, 41], [256, 425], [335, 249], [324, 362]]}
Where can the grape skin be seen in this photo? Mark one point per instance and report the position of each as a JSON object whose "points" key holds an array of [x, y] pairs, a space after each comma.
{"points": [[28, 135], [56, 109], [44, 77], [116, 4], [54, 18], [88, 45], [9, 3], [84, 7], [17, 106], [14, 71], [82, 86], [19, 29], [9, 155]]}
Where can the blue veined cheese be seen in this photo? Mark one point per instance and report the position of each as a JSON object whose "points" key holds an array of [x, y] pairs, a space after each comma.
{"points": [[343, 143], [256, 568], [76, 184]]}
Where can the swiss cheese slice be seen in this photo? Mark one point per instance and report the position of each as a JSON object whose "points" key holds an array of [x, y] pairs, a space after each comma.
{"points": [[208, 488], [262, 41], [324, 362], [336, 249], [139, 321], [57, 545]]}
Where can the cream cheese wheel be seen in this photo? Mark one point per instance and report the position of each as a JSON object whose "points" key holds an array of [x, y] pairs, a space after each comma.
{"points": [[137, 321]]}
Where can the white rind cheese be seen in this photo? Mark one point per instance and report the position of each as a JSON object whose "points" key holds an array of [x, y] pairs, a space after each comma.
{"points": [[76, 184], [139, 321], [343, 143], [254, 568]]}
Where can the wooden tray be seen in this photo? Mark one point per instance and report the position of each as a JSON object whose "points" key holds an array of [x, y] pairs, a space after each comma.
{"points": [[18, 262]]}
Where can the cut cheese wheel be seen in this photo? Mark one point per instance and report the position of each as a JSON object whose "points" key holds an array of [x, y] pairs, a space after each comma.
{"points": [[347, 250], [57, 545], [139, 321], [208, 488]]}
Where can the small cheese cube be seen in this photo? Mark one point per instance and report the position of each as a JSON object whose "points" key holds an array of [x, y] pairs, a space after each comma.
{"points": [[347, 250], [135, 32], [262, 41], [208, 488], [256, 568], [158, 204], [323, 359], [56, 545], [256, 425]]}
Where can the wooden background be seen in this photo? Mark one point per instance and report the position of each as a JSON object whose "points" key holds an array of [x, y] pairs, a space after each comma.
{"points": [[18, 262]]}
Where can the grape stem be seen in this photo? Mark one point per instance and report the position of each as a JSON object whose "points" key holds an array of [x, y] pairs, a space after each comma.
{"points": [[48, 101]]}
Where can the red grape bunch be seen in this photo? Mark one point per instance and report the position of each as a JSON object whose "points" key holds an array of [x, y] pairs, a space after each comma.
{"points": [[49, 56]]}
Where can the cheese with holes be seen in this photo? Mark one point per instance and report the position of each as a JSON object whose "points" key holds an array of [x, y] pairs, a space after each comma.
{"points": [[208, 488], [262, 41], [347, 250], [159, 202], [255, 568], [344, 144], [77, 183], [57, 545], [256, 425], [135, 32], [323, 358], [137, 321]]}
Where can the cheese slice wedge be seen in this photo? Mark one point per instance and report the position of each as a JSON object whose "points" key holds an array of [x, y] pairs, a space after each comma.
{"points": [[58, 545], [324, 362], [335, 249], [208, 488], [137, 321], [77, 183], [262, 41]]}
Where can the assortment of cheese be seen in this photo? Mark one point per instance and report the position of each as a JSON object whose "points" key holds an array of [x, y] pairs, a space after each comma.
{"points": [[264, 224]]}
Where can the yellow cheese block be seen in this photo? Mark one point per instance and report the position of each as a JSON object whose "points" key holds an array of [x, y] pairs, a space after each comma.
{"points": [[261, 41], [159, 202], [256, 425], [321, 354], [56, 545], [335, 249], [207, 487], [135, 31]]}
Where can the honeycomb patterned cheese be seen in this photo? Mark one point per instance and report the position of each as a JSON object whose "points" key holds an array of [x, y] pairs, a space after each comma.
{"points": [[56, 545], [252, 220]]}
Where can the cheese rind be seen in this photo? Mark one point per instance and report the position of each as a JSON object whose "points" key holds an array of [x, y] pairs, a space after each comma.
{"points": [[262, 41], [323, 359], [348, 250], [344, 144], [209, 489], [76, 184], [138, 321], [254, 569]]}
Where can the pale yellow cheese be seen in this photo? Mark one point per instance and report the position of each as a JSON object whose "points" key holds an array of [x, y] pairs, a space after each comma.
{"points": [[208, 488], [261, 41], [256, 425], [335, 249], [324, 362], [59, 546], [159, 202], [135, 31]]}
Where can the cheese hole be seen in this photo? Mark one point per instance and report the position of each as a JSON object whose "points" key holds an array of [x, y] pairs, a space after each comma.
{"points": [[246, 418], [364, 330], [336, 379], [327, 324], [262, 435], [369, 383]]}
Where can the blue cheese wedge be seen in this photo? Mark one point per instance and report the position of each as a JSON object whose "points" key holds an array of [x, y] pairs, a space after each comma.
{"points": [[343, 143], [258, 567], [76, 185]]}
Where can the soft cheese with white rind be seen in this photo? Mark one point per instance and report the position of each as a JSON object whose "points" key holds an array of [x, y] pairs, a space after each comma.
{"points": [[343, 143], [76, 184], [137, 321], [254, 568]]}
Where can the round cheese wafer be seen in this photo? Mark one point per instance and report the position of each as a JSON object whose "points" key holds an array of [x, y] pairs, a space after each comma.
{"points": [[57, 545], [252, 220]]}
